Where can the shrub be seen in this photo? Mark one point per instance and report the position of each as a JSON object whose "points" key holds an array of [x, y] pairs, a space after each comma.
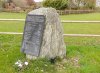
{"points": [[90, 4], [84, 4], [57, 4], [87, 4], [1, 5]]}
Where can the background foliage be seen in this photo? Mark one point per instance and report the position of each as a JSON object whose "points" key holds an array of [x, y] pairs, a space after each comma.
{"points": [[86, 4], [65, 4], [58, 4], [90, 4]]}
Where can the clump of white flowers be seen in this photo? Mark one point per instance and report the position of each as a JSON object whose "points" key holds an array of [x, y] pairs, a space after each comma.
{"points": [[21, 65], [26, 63]]}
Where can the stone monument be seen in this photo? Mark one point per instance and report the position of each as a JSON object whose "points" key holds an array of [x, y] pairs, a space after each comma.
{"points": [[43, 35]]}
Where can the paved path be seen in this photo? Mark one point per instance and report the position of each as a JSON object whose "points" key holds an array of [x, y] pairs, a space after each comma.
{"points": [[82, 35], [75, 35], [78, 21], [10, 33], [12, 19], [63, 21]]}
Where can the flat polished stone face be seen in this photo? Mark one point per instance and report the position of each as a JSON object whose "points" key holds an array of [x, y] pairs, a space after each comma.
{"points": [[33, 34]]}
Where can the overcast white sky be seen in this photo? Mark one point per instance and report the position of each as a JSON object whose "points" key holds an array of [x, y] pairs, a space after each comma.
{"points": [[38, 0]]}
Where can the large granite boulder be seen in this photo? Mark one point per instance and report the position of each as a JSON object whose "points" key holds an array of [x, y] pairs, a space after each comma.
{"points": [[45, 35]]}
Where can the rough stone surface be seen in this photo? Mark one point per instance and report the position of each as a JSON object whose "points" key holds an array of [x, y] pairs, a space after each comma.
{"points": [[52, 44]]}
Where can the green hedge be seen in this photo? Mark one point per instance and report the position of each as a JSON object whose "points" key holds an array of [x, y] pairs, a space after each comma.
{"points": [[57, 4]]}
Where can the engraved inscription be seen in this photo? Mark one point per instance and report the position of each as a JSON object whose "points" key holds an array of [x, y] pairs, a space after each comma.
{"points": [[33, 34]]}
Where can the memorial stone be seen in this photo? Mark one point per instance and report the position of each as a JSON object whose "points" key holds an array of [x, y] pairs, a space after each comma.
{"points": [[43, 35]]}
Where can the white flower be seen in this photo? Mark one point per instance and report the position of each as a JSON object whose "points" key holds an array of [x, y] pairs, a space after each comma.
{"points": [[26, 63], [45, 65], [41, 70], [16, 63], [20, 65], [19, 61]]}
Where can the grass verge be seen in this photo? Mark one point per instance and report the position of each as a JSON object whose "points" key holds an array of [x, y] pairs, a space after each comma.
{"points": [[83, 56]]}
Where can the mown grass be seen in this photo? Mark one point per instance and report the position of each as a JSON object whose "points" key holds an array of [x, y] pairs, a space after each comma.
{"points": [[81, 28], [69, 28], [11, 26], [89, 16], [5, 15], [83, 56], [83, 53]]}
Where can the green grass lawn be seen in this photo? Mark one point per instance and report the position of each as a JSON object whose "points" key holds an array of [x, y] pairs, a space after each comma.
{"points": [[5, 15], [81, 28], [69, 28], [90, 16], [11, 26], [85, 50], [83, 53]]}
